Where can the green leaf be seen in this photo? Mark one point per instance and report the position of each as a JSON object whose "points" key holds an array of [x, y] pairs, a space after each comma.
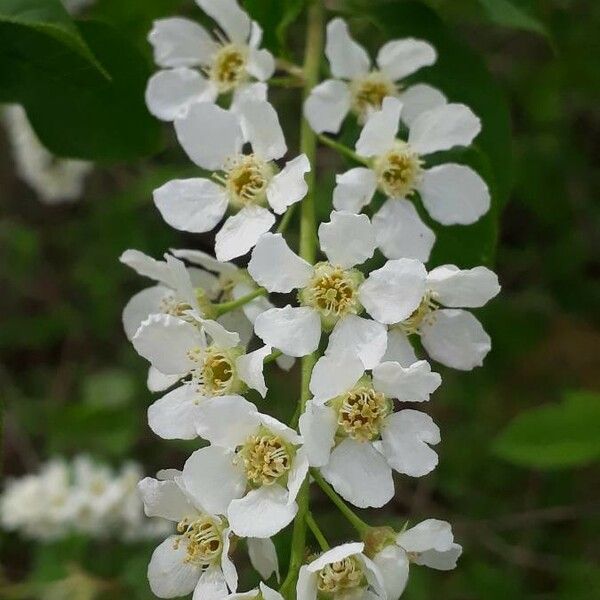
{"points": [[506, 14], [554, 436]]}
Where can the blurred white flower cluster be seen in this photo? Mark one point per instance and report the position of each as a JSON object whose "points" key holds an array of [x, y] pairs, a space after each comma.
{"points": [[361, 312], [78, 497]]}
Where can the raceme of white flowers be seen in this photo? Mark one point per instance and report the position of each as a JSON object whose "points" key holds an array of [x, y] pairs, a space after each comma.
{"points": [[80, 496], [209, 328]]}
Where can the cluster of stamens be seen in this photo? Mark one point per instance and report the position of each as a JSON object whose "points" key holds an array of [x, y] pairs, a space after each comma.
{"points": [[424, 312], [361, 412], [340, 576], [398, 171], [169, 305], [204, 540], [266, 459], [246, 178], [215, 374], [228, 68], [368, 92]]}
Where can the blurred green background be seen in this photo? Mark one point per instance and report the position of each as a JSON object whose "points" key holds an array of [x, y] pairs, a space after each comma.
{"points": [[518, 473]]}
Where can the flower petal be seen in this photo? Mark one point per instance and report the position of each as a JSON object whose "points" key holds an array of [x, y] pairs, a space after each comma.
{"points": [[157, 382], [399, 348], [334, 374], [317, 427], [241, 232], [227, 567], [219, 335], [456, 339], [418, 99], [229, 17], [147, 266], [169, 574], [205, 121], [443, 128], [379, 133], [327, 106], [174, 416], [392, 293], [212, 477], [401, 233], [442, 561], [263, 556], [245, 92], [412, 384], [354, 189], [297, 474], [206, 261], [261, 128], [269, 593], [399, 58], [431, 534], [406, 436], [392, 563], [250, 369], [252, 309], [306, 587], [469, 288], [262, 512], [294, 331], [274, 266], [346, 57], [359, 474], [335, 554], [141, 306], [334, 238], [236, 320], [164, 499], [211, 585], [289, 185], [261, 64]]}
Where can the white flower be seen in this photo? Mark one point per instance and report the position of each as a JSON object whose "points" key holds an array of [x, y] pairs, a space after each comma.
{"points": [[262, 592], [246, 183], [342, 573], [54, 179], [210, 361], [197, 557], [358, 88], [352, 433], [451, 193], [451, 336], [430, 543], [226, 64], [333, 293], [253, 470]]}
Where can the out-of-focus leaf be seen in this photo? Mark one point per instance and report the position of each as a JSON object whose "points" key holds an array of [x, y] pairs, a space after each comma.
{"points": [[554, 436], [274, 16], [507, 14], [112, 387]]}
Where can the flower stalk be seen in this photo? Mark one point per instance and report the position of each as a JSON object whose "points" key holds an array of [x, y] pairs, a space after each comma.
{"points": [[225, 307]]}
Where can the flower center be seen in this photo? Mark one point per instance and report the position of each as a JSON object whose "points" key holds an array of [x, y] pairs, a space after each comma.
{"points": [[424, 311], [368, 93], [170, 305], [246, 178], [228, 69], [361, 412], [216, 374], [398, 171], [204, 540], [333, 292], [266, 458], [340, 576]]}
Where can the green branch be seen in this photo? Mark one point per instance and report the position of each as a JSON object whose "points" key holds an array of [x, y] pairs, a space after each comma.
{"points": [[316, 531], [225, 307], [343, 150]]}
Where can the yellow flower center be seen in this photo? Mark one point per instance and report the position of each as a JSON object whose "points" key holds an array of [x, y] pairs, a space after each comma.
{"points": [[246, 178], [398, 171], [340, 576], [368, 92], [204, 540], [361, 412], [228, 68], [422, 313], [266, 458], [216, 374]]}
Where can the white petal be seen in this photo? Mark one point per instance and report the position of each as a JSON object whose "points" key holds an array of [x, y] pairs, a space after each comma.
{"points": [[281, 429], [170, 93], [336, 554], [206, 261], [454, 194], [456, 339], [164, 499], [294, 331], [174, 416], [213, 478], [245, 92], [180, 42], [147, 266], [359, 474], [443, 128], [399, 348], [393, 565], [261, 128], [468, 288], [219, 335], [406, 436], [274, 266], [347, 239], [334, 374], [250, 369], [392, 293], [366, 338], [399, 58], [289, 185], [263, 556], [227, 566], [401, 233], [374, 577], [205, 121], [227, 421], [379, 132], [256, 35], [347, 58], [442, 561], [327, 106], [169, 574], [141, 306], [235, 320], [157, 382], [306, 587], [354, 189], [431, 534], [262, 512], [230, 18], [165, 340], [211, 585], [269, 593], [297, 474], [318, 425], [285, 362], [182, 283], [241, 232], [411, 384], [254, 308], [261, 64], [419, 98]]}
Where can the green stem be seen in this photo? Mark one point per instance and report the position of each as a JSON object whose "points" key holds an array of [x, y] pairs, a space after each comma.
{"points": [[225, 307], [316, 531], [273, 356], [286, 82], [358, 524], [343, 150]]}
